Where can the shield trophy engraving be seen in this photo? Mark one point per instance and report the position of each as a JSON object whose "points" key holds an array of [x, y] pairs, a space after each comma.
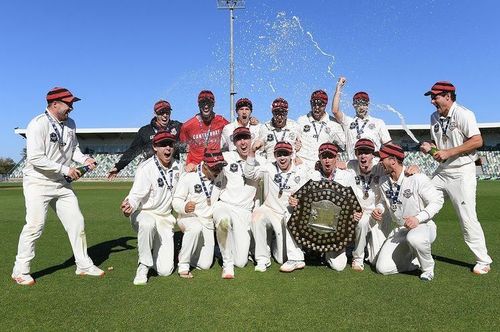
{"points": [[323, 220]]}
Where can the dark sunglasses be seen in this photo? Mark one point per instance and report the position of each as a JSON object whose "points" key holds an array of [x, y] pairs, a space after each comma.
{"points": [[363, 151], [163, 144], [328, 155], [282, 154], [204, 103], [163, 112], [434, 96]]}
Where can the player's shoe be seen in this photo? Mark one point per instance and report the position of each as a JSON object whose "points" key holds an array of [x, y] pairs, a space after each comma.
{"points": [[262, 267], [141, 276], [228, 272], [291, 266], [481, 268], [427, 276], [358, 266], [23, 279], [93, 271]]}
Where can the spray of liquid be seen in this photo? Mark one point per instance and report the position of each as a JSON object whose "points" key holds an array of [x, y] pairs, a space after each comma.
{"points": [[402, 119], [332, 62]]}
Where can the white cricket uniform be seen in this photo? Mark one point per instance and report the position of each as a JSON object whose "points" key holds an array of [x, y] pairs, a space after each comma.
{"points": [[226, 142], [337, 260], [198, 241], [408, 196], [233, 212], [271, 135], [369, 127], [273, 214], [314, 133], [49, 155], [151, 200], [457, 176], [366, 188]]}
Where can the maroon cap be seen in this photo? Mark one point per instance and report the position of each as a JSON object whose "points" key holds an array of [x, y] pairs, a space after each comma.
{"points": [[360, 95], [206, 95], [162, 104], [320, 95], [163, 136], [391, 150], [441, 86], [279, 104], [61, 94], [364, 143], [242, 102], [328, 147], [241, 132], [283, 146], [214, 158]]}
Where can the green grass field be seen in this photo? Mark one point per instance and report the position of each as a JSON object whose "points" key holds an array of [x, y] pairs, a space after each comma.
{"points": [[315, 298]]}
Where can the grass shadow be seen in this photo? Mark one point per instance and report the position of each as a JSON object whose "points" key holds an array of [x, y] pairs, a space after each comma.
{"points": [[453, 261]]}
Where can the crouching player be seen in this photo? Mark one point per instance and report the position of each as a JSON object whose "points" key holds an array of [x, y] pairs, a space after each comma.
{"points": [[149, 206], [413, 202]]}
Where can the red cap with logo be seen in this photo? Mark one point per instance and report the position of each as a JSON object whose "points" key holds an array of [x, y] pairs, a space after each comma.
{"points": [[391, 150], [242, 102], [214, 158], [320, 95], [206, 95], [241, 132], [364, 143]]}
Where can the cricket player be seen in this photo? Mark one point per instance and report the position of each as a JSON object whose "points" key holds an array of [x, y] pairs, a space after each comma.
{"points": [[278, 129], [51, 145], [244, 118], [412, 202], [149, 206], [281, 179], [194, 200], [317, 127], [233, 212], [455, 133], [361, 126]]}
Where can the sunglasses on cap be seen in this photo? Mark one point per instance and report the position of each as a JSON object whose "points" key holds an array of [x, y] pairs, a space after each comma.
{"points": [[282, 154], [206, 102], [360, 102], [165, 143], [318, 102]]}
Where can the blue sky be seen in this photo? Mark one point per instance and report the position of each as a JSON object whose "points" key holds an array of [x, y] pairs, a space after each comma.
{"points": [[122, 56]]}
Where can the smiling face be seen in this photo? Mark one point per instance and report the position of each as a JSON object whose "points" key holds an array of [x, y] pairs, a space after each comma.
{"points": [[365, 158], [60, 110], [206, 109], [279, 118], [164, 152], [318, 107], [163, 117], [442, 102], [244, 113], [361, 107], [328, 161], [242, 144], [283, 159]]}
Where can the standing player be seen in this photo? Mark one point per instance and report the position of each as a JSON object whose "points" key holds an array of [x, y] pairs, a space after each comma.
{"points": [[233, 212], [51, 145], [203, 131], [244, 119], [149, 205], [194, 199], [317, 127], [455, 133], [281, 179], [142, 142], [363, 125], [278, 129], [412, 201]]}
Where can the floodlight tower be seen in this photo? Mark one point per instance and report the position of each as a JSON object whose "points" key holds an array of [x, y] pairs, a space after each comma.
{"points": [[231, 5]]}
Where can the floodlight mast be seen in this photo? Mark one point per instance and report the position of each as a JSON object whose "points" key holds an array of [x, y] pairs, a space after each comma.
{"points": [[231, 5]]}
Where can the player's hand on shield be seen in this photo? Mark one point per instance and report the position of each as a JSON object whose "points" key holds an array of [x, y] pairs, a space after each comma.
{"points": [[412, 169], [357, 216], [377, 214], [112, 173], [74, 173], [293, 201], [411, 222], [190, 206], [126, 208]]}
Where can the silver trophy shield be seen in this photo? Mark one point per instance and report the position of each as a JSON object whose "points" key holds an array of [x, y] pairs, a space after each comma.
{"points": [[323, 220]]}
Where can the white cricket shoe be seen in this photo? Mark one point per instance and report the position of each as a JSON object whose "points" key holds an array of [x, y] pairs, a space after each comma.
{"points": [[358, 266], [481, 268], [262, 267], [291, 266], [23, 279], [93, 271], [228, 272], [141, 276], [427, 276]]}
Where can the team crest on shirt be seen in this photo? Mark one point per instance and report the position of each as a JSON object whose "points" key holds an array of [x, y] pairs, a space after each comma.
{"points": [[53, 137], [292, 136], [453, 125], [297, 179], [277, 178], [371, 126], [173, 131], [307, 128], [352, 126], [161, 183], [407, 193], [270, 137], [197, 188], [436, 127], [327, 130], [234, 167]]}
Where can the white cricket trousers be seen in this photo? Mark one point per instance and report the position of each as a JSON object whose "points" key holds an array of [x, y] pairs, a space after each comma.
{"points": [[264, 221], [460, 184], [155, 240], [198, 243], [376, 233], [403, 246], [38, 195], [233, 237]]}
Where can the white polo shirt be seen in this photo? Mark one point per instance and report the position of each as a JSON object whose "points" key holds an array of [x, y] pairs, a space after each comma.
{"points": [[271, 135], [226, 142], [366, 185]]}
